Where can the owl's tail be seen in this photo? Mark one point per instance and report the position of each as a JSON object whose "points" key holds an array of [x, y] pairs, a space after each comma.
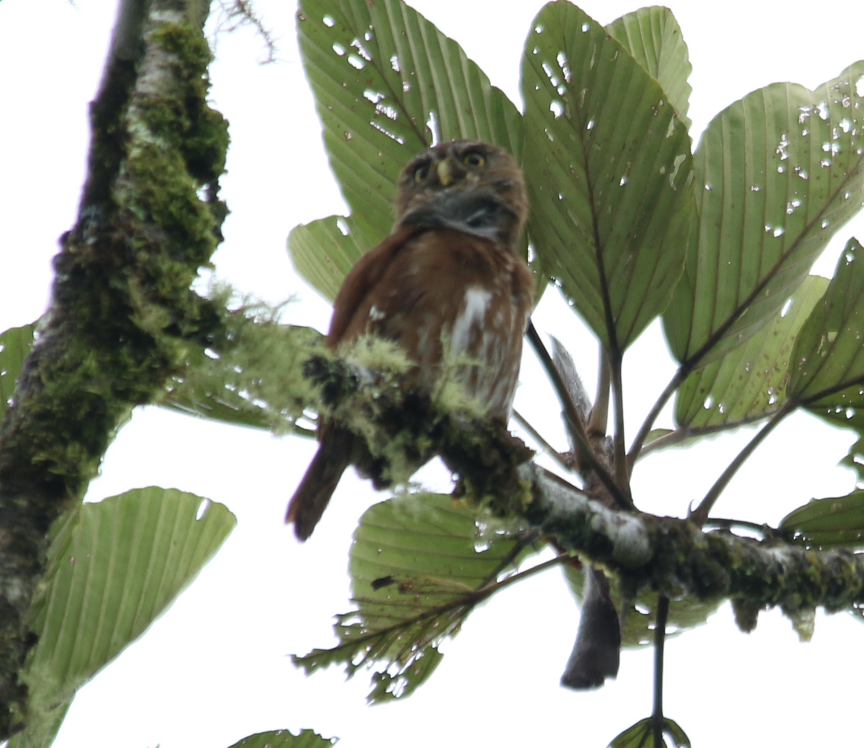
{"points": [[314, 492]]}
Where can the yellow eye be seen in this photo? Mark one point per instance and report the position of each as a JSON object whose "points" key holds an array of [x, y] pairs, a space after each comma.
{"points": [[421, 172], [473, 159]]}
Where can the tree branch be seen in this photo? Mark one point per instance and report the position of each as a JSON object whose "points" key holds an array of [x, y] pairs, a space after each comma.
{"points": [[673, 557], [121, 316]]}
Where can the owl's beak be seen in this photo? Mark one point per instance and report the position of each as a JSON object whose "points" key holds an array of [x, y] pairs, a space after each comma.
{"points": [[445, 172]]}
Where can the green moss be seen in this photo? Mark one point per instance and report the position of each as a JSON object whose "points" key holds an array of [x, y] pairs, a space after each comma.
{"points": [[200, 133]]}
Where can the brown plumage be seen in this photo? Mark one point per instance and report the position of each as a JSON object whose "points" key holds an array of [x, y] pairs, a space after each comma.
{"points": [[450, 271]]}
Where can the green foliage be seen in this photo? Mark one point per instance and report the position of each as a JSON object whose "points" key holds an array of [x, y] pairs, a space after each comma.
{"points": [[236, 384], [749, 383], [325, 250], [777, 174], [112, 568], [387, 84], [828, 355], [828, 523], [611, 196], [654, 38], [419, 565], [629, 223], [15, 344]]}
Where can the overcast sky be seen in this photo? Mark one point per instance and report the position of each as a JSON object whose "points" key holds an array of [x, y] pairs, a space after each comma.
{"points": [[215, 667]]}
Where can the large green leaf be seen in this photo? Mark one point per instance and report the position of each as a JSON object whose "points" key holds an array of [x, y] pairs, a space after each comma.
{"points": [[387, 84], [777, 173], [112, 568], [750, 381], [609, 173], [15, 344], [828, 355], [325, 250], [654, 38], [419, 565], [829, 523]]}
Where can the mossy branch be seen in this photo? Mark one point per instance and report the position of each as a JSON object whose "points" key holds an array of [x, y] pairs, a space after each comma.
{"points": [[122, 316], [671, 556], [675, 558]]}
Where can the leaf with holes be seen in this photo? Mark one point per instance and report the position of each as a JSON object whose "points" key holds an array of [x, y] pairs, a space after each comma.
{"points": [[609, 174], [387, 84], [749, 383], [828, 355], [777, 174], [112, 568], [15, 344], [828, 523], [419, 565], [654, 38], [325, 250]]}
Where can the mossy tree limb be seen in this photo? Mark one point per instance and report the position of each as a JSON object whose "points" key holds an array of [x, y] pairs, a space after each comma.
{"points": [[676, 558], [122, 316], [671, 556]]}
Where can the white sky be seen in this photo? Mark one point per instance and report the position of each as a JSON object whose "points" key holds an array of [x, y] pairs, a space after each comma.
{"points": [[215, 668]]}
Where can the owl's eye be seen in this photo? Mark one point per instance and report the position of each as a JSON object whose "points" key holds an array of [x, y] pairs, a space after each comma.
{"points": [[421, 172], [473, 159]]}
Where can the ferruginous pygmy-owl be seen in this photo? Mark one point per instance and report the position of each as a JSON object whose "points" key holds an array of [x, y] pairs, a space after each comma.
{"points": [[450, 271]]}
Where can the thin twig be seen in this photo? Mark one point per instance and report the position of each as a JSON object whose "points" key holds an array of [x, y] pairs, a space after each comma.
{"points": [[542, 443], [700, 514], [571, 416], [684, 433]]}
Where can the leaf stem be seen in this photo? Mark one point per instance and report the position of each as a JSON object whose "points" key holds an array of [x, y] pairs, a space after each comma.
{"points": [[700, 514], [622, 472], [659, 644], [573, 419], [599, 416], [648, 423], [544, 445]]}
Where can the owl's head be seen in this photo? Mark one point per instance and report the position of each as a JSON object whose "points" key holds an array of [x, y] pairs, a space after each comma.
{"points": [[464, 185]]}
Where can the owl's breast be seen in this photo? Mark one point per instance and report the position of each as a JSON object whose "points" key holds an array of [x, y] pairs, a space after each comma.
{"points": [[484, 347], [458, 306]]}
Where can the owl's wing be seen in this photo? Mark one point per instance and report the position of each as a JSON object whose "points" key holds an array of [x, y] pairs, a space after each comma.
{"points": [[363, 277]]}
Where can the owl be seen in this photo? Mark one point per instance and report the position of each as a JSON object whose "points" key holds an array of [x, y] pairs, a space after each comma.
{"points": [[449, 281]]}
